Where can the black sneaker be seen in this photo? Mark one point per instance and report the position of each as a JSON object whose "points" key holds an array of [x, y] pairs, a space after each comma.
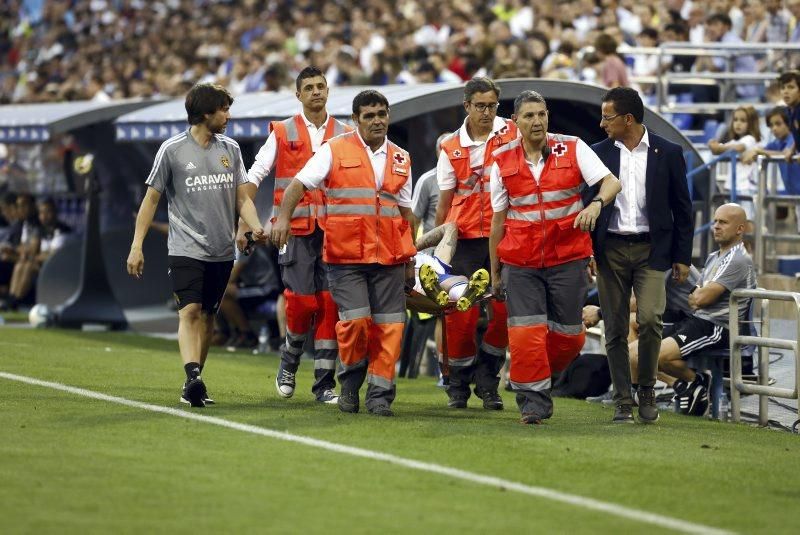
{"points": [[478, 283], [698, 394], [284, 382], [429, 281], [492, 401], [348, 402], [193, 393], [648, 412], [623, 414], [381, 410], [457, 401], [206, 398]]}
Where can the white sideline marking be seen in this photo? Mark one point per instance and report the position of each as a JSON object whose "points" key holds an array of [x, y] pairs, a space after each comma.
{"points": [[541, 492]]}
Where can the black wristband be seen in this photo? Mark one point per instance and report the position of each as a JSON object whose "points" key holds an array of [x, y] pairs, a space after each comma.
{"points": [[597, 200]]}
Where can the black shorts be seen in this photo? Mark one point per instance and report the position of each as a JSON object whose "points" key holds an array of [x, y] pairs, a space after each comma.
{"points": [[198, 281], [693, 334]]}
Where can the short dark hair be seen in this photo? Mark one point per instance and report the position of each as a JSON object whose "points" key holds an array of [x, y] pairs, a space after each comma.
{"points": [[720, 17], [677, 27], [789, 76], [529, 95], [777, 110], [203, 99], [480, 84], [626, 100], [650, 33], [606, 44], [308, 72], [368, 97], [10, 198]]}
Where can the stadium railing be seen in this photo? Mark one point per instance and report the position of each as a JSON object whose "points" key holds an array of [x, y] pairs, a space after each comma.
{"points": [[768, 197], [764, 343]]}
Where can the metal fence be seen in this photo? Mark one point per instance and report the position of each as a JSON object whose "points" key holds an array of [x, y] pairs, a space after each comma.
{"points": [[764, 343]]}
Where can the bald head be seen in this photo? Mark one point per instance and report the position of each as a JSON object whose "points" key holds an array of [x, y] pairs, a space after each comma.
{"points": [[734, 212], [729, 225]]}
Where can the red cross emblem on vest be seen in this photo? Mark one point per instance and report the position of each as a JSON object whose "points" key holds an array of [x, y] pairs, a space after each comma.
{"points": [[457, 153], [399, 158], [559, 149]]}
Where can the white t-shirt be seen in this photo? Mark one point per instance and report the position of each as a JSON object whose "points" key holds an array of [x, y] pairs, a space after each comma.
{"points": [[445, 174], [592, 169], [746, 173], [318, 168], [267, 154]]}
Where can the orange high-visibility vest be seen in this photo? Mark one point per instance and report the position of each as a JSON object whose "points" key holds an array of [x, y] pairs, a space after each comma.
{"points": [[364, 225], [293, 152], [538, 227], [472, 205]]}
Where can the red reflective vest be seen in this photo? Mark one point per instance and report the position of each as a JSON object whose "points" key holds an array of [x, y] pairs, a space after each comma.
{"points": [[293, 150], [364, 225], [472, 205], [538, 227]]}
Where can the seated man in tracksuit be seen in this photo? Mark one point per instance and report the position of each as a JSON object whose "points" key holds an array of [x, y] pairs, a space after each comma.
{"points": [[727, 269]]}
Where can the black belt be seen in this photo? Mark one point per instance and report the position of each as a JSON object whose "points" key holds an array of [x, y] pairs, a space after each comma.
{"points": [[630, 238]]}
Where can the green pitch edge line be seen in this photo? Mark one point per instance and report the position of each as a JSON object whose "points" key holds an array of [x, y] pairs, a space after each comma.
{"points": [[541, 492]]}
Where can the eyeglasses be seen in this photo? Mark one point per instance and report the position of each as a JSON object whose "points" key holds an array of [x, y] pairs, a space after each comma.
{"points": [[609, 118], [482, 108]]}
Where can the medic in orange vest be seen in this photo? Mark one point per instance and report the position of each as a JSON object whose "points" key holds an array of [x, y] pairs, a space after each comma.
{"points": [[367, 184], [288, 148], [539, 235], [462, 173]]}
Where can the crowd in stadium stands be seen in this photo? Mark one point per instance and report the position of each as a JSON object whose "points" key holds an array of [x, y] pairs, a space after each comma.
{"points": [[110, 49]]}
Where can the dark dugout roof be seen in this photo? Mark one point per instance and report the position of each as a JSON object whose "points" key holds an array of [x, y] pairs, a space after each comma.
{"points": [[36, 123], [251, 112]]}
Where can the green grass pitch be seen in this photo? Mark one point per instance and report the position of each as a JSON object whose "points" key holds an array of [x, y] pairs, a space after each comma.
{"points": [[69, 464]]}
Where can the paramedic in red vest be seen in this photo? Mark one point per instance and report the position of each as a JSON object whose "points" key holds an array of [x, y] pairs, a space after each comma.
{"points": [[462, 173], [541, 247], [367, 183], [309, 304]]}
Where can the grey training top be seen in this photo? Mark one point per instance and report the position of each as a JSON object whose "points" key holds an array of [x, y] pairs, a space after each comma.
{"points": [[200, 184], [678, 294], [732, 270], [425, 199]]}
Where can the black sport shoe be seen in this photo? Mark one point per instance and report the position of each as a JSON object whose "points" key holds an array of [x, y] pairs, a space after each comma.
{"points": [[623, 414], [284, 382], [193, 393], [429, 281], [457, 401], [348, 402], [478, 283], [381, 410], [492, 401], [648, 412], [206, 398], [698, 394]]}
